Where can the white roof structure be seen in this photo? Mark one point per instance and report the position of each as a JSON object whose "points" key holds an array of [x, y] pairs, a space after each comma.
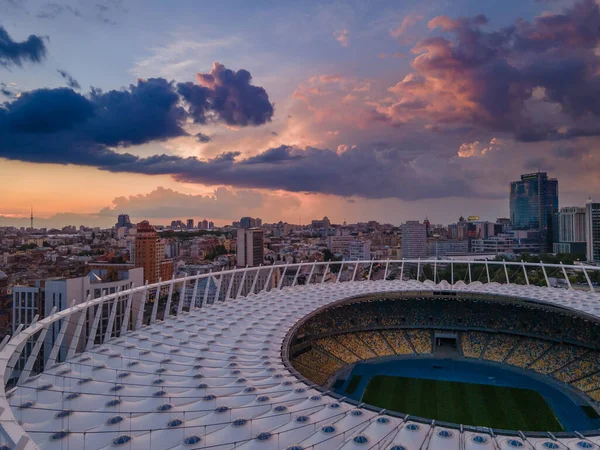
{"points": [[214, 378]]}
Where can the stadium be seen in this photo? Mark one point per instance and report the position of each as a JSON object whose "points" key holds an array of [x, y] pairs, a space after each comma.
{"points": [[321, 359]]}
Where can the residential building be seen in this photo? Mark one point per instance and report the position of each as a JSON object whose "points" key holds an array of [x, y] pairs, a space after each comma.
{"points": [[44, 295], [324, 224], [441, 247], [190, 224], [339, 244], [592, 218], [505, 243], [250, 247], [570, 231], [414, 239], [359, 250], [150, 254]]}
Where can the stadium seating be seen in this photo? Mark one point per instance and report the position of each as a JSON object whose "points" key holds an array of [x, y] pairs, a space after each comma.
{"points": [[473, 343], [527, 351], [589, 383], [357, 346], [556, 357], [334, 347], [421, 340], [376, 342], [487, 330], [580, 368], [499, 346], [398, 342], [443, 312]]}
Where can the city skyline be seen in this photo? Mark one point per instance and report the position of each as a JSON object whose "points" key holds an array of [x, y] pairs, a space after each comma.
{"points": [[351, 110]]}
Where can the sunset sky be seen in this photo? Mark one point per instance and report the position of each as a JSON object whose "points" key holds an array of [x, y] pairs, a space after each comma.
{"points": [[357, 110]]}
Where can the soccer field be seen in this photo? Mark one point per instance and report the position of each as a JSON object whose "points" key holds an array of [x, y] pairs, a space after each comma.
{"points": [[465, 403]]}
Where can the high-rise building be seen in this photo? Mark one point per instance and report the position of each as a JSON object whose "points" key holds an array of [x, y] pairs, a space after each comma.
{"points": [[211, 225], [150, 254], [123, 221], [250, 222], [250, 247], [571, 224], [204, 224], [414, 239], [190, 224], [592, 219], [533, 204]]}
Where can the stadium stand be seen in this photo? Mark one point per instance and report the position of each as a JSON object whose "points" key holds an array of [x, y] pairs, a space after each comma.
{"points": [[580, 368], [376, 342], [336, 349], [359, 348], [499, 346], [421, 340], [556, 357], [527, 351], [527, 337], [473, 343], [398, 342]]}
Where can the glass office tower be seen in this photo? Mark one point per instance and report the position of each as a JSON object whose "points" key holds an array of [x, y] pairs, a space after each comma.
{"points": [[533, 204]]}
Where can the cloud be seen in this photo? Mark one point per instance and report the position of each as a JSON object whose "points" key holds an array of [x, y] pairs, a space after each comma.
{"points": [[342, 37], [53, 10], [222, 205], [65, 127], [537, 80], [408, 22], [203, 138], [71, 82], [15, 53], [391, 55], [4, 90], [370, 172], [474, 149], [232, 96]]}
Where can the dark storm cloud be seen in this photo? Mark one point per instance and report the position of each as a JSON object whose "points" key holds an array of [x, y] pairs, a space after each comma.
{"points": [[227, 96], [236, 99], [488, 77], [5, 91], [14, 53], [203, 138], [71, 82], [63, 126]]}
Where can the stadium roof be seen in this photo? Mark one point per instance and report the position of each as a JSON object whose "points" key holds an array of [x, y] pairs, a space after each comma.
{"points": [[214, 378]]}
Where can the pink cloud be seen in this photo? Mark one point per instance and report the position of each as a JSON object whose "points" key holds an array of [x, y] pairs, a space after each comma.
{"points": [[408, 22], [342, 37]]}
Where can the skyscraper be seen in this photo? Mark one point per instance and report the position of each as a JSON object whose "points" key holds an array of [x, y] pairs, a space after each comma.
{"points": [[592, 218], [190, 224], [250, 247], [533, 204], [123, 221]]}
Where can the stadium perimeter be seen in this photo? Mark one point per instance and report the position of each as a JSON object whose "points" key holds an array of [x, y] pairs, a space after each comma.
{"points": [[218, 377]]}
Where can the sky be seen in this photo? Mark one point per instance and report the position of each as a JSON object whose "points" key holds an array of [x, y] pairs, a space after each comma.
{"points": [[378, 110]]}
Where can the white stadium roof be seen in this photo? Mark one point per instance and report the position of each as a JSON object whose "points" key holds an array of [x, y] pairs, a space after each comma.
{"points": [[214, 378]]}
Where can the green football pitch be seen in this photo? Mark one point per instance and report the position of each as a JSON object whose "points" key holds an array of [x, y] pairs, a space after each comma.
{"points": [[465, 403]]}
